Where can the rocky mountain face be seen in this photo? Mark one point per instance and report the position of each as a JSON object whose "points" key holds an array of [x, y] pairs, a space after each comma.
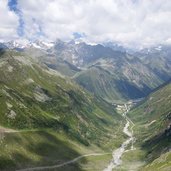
{"points": [[157, 59], [112, 73], [108, 71], [119, 78]]}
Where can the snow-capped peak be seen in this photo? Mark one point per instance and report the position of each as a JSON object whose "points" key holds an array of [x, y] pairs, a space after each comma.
{"points": [[159, 48], [12, 44], [41, 44], [23, 44], [48, 44]]}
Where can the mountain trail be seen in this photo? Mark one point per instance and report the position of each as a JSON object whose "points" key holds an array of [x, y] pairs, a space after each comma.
{"points": [[7, 130], [62, 164]]}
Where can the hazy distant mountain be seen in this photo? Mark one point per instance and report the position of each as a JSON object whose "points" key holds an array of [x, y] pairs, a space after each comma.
{"points": [[158, 59], [115, 46], [107, 71]]}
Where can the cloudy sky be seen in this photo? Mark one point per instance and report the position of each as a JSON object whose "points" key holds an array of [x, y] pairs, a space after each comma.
{"points": [[131, 22]]}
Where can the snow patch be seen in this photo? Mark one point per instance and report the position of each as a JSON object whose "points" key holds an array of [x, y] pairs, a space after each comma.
{"points": [[159, 48], [36, 46], [49, 45]]}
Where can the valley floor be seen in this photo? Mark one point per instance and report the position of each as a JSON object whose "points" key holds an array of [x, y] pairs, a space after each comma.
{"points": [[102, 160], [31, 150]]}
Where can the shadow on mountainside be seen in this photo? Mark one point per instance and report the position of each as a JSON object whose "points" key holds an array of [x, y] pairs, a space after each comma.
{"points": [[157, 145], [39, 148]]}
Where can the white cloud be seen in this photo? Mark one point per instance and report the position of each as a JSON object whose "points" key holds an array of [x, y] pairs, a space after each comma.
{"points": [[132, 22], [8, 22]]}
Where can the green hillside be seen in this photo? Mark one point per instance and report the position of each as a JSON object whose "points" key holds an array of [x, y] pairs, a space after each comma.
{"points": [[48, 110], [100, 82], [153, 132], [118, 80]]}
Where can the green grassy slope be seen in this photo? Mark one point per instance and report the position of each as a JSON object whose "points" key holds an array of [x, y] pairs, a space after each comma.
{"points": [[153, 118], [118, 80], [100, 82], [60, 65], [33, 148], [35, 97]]}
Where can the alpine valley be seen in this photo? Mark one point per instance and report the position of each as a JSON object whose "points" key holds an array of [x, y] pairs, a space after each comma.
{"points": [[73, 106]]}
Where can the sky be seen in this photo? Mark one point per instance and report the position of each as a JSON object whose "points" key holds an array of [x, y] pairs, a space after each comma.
{"points": [[133, 23]]}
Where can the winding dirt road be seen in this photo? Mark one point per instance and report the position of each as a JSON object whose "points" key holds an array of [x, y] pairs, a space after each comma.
{"points": [[62, 164], [117, 154]]}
